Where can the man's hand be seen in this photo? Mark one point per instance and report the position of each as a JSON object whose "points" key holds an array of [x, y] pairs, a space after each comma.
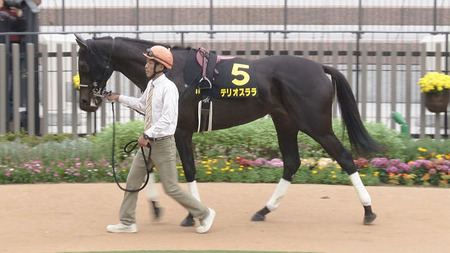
{"points": [[113, 97], [142, 141], [19, 12]]}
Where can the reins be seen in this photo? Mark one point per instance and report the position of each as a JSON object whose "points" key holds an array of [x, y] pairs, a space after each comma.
{"points": [[128, 151]]}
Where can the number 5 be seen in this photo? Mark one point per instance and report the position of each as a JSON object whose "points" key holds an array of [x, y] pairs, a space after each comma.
{"points": [[237, 71]]}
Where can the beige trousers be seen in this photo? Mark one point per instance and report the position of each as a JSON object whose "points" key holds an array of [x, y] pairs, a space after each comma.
{"points": [[163, 157]]}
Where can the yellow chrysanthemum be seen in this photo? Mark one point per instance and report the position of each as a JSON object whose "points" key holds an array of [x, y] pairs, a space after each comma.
{"points": [[434, 82]]}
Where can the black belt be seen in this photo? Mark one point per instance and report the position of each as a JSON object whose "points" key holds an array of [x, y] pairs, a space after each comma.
{"points": [[160, 138]]}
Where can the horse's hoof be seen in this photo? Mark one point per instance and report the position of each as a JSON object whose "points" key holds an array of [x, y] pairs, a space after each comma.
{"points": [[188, 221], [157, 213], [258, 217], [368, 219]]}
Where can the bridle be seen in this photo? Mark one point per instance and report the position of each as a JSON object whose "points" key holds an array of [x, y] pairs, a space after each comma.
{"points": [[101, 77]]}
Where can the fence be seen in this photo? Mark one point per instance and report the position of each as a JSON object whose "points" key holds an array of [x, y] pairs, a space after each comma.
{"points": [[387, 75], [382, 46]]}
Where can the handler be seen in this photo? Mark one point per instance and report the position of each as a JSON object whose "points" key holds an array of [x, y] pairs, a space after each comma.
{"points": [[159, 102]]}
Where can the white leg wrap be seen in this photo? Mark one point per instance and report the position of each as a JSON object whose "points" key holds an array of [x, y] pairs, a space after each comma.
{"points": [[152, 190], [194, 190], [364, 196], [278, 195]]}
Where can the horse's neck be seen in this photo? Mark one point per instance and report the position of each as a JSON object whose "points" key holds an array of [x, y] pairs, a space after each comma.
{"points": [[129, 61]]}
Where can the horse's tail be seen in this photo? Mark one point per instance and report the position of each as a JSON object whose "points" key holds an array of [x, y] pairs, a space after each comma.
{"points": [[359, 137]]}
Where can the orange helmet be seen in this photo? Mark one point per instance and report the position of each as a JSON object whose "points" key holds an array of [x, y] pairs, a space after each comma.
{"points": [[161, 55]]}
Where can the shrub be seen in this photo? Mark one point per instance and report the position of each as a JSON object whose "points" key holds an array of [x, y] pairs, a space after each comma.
{"points": [[124, 133]]}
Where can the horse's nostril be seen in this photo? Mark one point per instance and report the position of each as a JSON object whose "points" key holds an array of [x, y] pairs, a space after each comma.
{"points": [[84, 101]]}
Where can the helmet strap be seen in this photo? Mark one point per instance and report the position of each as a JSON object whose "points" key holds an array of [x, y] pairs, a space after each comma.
{"points": [[154, 70]]}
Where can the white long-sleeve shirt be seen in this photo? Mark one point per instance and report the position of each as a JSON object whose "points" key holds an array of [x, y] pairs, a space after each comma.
{"points": [[164, 114]]}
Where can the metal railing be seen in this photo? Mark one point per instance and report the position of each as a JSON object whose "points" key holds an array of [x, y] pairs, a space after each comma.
{"points": [[384, 81]]}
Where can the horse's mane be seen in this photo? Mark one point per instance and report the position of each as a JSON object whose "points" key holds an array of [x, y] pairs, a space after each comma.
{"points": [[145, 43]]}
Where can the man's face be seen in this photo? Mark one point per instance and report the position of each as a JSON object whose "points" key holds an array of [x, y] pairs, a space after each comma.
{"points": [[150, 67]]}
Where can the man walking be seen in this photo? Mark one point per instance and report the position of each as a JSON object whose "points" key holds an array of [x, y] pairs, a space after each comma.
{"points": [[159, 102]]}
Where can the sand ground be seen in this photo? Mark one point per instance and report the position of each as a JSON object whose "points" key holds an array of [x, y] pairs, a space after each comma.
{"points": [[315, 218]]}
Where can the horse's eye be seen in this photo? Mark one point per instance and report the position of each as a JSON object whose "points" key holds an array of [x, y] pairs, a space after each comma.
{"points": [[84, 67]]}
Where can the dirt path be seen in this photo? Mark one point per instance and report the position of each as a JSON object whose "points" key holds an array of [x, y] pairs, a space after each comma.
{"points": [[318, 218]]}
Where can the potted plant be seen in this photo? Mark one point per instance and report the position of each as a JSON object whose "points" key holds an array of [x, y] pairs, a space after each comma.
{"points": [[436, 88]]}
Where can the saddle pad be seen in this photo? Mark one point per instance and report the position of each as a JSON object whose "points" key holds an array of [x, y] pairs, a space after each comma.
{"points": [[235, 79]]}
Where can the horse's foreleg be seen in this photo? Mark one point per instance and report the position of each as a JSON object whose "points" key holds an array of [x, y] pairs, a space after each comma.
{"points": [[184, 145], [274, 201], [287, 140], [153, 197]]}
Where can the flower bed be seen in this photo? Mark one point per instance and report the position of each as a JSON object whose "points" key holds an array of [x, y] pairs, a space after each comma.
{"points": [[429, 170]]}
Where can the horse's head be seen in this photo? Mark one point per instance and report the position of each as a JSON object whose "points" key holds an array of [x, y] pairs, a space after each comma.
{"points": [[94, 66]]}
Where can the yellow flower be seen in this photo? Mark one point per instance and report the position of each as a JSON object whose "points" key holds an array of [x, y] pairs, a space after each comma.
{"points": [[208, 172], [241, 169], [422, 149], [334, 176], [376, 173], [362, 175], [232, 170], [181, 174], [434, 82], [249, 168], [315, 172]]}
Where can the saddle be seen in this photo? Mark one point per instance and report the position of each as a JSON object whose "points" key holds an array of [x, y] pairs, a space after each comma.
{"points": [[220, 77], [208, 62]]}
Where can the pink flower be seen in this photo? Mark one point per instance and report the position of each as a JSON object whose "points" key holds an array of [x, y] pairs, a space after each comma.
{"points": [[260, 161], [379, 162], [276, 162]]}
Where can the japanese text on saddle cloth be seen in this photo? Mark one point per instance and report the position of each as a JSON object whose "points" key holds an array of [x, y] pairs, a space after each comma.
{"points": [[217, 77]]}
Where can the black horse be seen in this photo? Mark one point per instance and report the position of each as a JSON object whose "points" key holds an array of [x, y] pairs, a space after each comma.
{"points": [[294, 91]]}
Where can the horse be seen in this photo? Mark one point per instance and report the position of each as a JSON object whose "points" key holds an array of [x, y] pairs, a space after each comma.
{"points": [[296, 92]]}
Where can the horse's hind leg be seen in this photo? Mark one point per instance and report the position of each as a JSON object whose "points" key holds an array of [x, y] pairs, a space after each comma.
{"points": [[287, 140], [336, 150]]}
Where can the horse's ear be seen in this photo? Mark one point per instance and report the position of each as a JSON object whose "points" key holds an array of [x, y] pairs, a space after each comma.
{"points": [[81, 42]]}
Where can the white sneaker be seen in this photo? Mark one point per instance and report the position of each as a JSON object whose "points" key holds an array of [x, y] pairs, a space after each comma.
{"points": [[122, 228], [207, 222]]}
